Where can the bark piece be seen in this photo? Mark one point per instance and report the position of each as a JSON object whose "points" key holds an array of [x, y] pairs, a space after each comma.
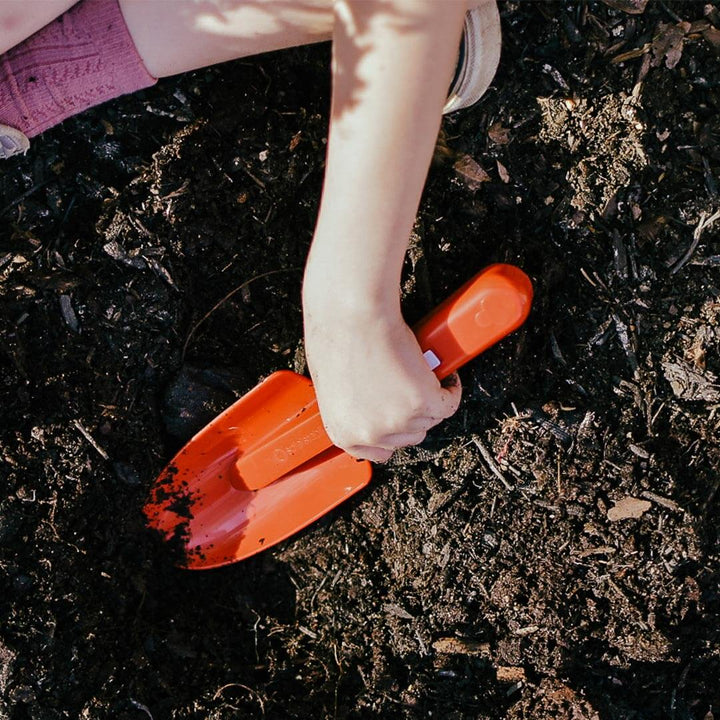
{"points": [[510, 674], [628, 507], [689, 384], [632, 7], [668, 44]]}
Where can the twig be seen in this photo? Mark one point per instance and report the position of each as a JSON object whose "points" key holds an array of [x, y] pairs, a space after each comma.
{"points": [[704, 223], [256, 180], [487, 456], [665, 502], [25, 195], [672, 14], [709, 261], [90, 439], [194, 328], [624, 335]]}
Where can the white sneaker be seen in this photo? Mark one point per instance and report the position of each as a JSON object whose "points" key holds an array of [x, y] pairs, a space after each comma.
{"points": [[478, 57], [12, 142]]}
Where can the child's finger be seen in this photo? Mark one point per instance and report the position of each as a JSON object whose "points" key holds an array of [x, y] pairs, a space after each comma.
{"points": [[449, 398], [373, 454]]}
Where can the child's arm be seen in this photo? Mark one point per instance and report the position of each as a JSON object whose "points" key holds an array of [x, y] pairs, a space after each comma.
{"points": [[393, 61]]}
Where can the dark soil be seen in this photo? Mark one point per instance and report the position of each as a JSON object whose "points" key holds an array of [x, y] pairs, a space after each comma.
{"points": [[588, 589]]}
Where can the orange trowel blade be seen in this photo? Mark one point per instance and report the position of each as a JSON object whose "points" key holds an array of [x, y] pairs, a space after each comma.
{"points": [[214, 524], [209, 522]]}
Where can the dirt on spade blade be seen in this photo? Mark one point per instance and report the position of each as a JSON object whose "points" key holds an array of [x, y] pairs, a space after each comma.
{"points": [[550, 552]]}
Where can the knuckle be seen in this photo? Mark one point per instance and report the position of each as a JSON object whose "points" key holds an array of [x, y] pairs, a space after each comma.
{"points": [[417, 405]]}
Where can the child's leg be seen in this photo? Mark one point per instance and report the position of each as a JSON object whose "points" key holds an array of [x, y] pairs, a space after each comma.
{"points": [[198, 34], [19, 18]]}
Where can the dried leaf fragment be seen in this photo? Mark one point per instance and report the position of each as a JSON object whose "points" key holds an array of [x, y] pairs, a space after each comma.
{"points": [[502, 171], [499, 134], [668, 44], [628, 507], [471, 172]]}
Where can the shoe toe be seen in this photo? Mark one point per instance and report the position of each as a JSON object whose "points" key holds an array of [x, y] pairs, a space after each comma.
{"points": [[12, 142]]}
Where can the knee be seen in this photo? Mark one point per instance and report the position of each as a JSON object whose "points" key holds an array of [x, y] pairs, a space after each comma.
{"points": [[20, 19]]}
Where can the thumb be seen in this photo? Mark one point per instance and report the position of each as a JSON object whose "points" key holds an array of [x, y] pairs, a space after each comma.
{"points": [[451, 394]]}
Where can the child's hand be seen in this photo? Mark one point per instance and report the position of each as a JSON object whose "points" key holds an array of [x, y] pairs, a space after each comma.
{"points": [[374, 388]]}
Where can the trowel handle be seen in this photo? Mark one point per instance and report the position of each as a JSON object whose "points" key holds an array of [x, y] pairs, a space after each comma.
{"points": [[483, 311]]}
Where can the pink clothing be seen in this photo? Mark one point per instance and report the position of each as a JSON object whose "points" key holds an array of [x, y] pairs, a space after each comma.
{"points": [[81, 59]]}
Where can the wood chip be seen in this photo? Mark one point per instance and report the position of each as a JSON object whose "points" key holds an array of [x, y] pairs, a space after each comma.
{"points": [[631, 54], [471, 172], [639, 451], [712, 37], [602, 550], [632, 7], [69, 316], [528, 630], [160, 271], [628, 507], [6, 659], [461, 646], [502, 171], [295, 140], [665, 502], [510, 674], [392, 609]]}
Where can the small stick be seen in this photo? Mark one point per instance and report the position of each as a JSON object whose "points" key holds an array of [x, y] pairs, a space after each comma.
{"points": [[194, 328], [90, 439], [487, 456]]}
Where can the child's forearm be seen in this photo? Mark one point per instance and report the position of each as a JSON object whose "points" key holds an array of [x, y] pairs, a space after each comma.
{"points": [[393, 61], [392, 65]]}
